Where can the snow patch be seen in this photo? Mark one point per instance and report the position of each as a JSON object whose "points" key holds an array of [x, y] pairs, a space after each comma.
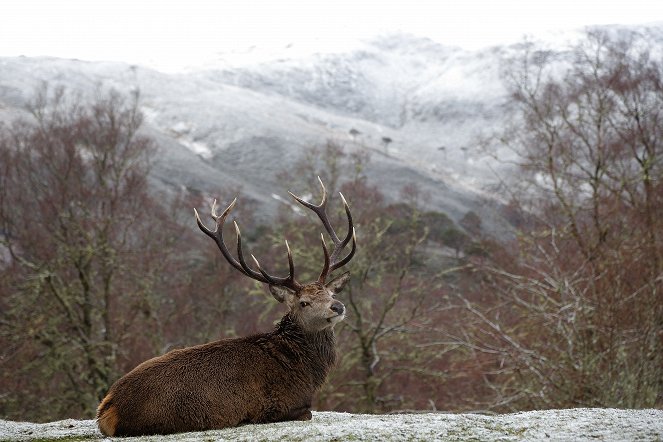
{"points": [[553, 425], [182, 128], [197, 147], [150, 114], [298, 210]]}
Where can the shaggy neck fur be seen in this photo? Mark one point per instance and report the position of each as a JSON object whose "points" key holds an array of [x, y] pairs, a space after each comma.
{"points": [[316, 349]]}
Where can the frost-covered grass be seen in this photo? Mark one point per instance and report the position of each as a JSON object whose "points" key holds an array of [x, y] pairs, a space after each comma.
{"points": [[555, 425]]}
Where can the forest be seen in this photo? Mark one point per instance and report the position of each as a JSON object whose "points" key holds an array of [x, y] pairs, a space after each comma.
{"points": [[99, 271]]}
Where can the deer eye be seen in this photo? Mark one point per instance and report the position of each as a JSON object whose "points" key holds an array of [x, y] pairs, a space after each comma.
{"points": [[304, 303]]}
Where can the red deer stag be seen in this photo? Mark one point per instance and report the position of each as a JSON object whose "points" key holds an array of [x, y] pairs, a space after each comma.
{"points": [[268, 377]]}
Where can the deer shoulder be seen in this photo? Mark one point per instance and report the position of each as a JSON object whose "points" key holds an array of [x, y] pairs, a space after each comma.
{"points": [[268, 377]]}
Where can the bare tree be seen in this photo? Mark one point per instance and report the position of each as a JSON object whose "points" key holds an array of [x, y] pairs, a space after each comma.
{"points": [[575, 317], [85, 261]]}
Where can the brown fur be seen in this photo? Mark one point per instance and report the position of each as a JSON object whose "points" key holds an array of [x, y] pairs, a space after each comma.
{"points": [[263, 378], [107, 416]]}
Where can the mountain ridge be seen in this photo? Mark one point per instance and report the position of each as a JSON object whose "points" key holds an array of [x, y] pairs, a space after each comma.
{"points": [[415, 106]]}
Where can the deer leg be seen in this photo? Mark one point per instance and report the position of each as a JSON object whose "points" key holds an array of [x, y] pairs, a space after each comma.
{"points": [[300, 414]]}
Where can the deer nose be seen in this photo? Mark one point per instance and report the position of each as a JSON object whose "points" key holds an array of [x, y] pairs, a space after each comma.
{"points": [[337, 307]]}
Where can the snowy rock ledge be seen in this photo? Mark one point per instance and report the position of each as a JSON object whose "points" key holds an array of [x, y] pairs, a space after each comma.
{"points": [[554, 425]]}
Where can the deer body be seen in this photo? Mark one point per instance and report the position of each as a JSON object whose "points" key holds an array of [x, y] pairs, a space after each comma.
{"points": [[214, 391], [268, 377]]}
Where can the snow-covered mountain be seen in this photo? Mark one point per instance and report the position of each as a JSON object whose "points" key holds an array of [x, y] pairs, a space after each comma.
{"points": [[240, 125]]}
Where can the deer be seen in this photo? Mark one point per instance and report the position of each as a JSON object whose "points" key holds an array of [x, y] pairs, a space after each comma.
{"points": [[263, 378]]}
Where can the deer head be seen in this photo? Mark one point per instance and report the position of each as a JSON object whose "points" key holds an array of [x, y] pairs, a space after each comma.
{"points": [[313, 304]]}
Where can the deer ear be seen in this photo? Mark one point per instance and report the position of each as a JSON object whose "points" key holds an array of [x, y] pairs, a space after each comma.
{"points": [[337, 284], [279, 293]]}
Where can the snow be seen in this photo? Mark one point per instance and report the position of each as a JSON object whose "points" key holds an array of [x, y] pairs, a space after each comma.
{"points": [[237, 125], [554, 425], [198, 148]]}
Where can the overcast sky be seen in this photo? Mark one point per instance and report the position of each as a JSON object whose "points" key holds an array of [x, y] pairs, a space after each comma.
{"points": [[176, 33]]}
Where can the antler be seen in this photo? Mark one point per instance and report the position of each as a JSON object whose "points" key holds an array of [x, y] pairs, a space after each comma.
{"points": [[331, 261], [261, 275]]}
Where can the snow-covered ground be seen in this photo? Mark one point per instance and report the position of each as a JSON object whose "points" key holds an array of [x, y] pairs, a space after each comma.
{"points": [[554, 425]]}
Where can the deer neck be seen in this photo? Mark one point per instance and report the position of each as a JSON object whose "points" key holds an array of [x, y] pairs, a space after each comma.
{"points": [[316, 348]]}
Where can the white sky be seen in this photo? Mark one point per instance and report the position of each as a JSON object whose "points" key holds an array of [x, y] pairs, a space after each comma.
{"points": [[174, 33]]}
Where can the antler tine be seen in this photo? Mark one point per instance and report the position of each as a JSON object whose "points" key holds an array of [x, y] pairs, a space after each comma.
{"points": [[241, 265], [350, 234], [217, 234], [247, 270], [349, 256], [311, 206], [291, 264], [320, 210], [325, 268], [260, 268], [214, 206], [331, 262], [263, 276]]}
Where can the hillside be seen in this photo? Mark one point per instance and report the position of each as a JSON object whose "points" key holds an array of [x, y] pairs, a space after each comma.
{"points": [[553, 425], [237, 125]]}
